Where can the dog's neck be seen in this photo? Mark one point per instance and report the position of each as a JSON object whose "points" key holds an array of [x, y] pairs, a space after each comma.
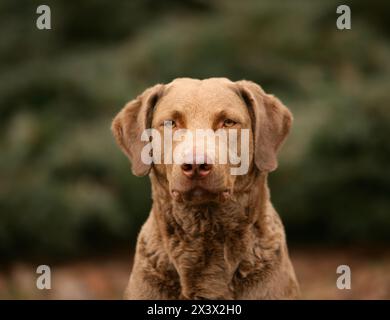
{"points": [[206, 243]]}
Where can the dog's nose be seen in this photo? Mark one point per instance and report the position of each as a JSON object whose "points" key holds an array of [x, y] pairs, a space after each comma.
{"points": [[194, 171]]}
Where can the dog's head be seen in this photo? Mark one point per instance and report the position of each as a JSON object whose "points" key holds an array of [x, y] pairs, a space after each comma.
{"points": [[204, 134]]}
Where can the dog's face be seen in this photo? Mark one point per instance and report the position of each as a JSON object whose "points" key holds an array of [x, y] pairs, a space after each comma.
{"points": [[193, 107], [248, 123]]}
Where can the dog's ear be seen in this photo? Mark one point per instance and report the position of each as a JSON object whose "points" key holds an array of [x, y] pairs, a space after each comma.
{"points": [[271, 123], [131, 121]]}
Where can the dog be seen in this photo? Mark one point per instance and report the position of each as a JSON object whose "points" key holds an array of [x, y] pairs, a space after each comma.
{"points": [[210, 234]]}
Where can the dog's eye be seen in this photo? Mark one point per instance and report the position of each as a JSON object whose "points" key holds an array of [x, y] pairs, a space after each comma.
{"points": [[169, 124], [229, 123]]}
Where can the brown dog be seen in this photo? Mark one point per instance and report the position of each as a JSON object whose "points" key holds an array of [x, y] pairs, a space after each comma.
{"points": [[210, 234]]}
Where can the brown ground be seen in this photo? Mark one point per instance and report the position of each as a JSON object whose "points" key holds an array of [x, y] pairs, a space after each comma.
{"points": [[106, 278]]}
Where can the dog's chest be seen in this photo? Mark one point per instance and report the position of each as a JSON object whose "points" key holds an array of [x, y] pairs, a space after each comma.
{"points": [[199, 283], [213, 270]]}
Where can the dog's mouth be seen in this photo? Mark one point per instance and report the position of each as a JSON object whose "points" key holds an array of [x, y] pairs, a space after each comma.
{"points": [[201, 195]]}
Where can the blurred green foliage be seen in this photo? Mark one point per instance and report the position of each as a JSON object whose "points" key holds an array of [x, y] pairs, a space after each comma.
{"points": [[66, 189]]}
